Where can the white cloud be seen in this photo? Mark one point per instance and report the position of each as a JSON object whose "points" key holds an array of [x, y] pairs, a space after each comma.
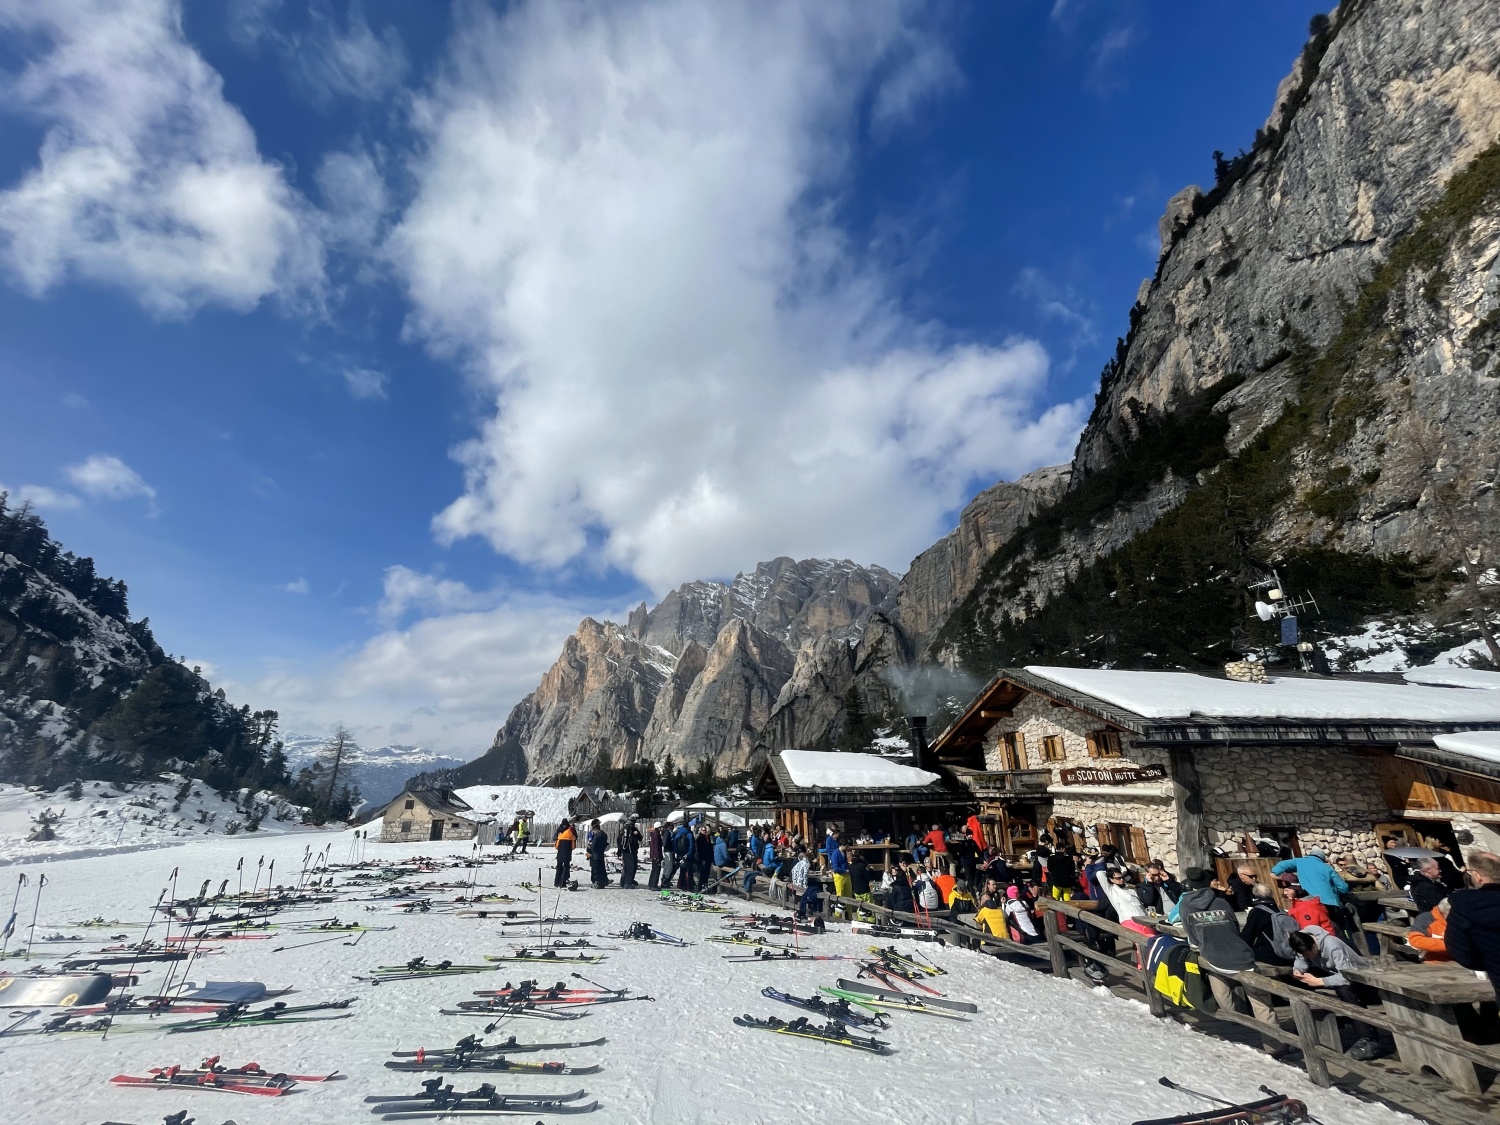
{"points": [[75, 401], [622, 226], [349, 61], [354, 199], [406, 590], [298, 586], [446, 682], [108, 478], [363, 383], [40, 496], [147, 179]]}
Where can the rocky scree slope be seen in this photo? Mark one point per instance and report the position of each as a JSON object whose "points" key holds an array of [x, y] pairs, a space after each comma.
{"points": [[1311, 379], [700, 677]]}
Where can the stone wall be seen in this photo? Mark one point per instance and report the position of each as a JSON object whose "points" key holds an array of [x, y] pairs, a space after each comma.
{"points": [[1332, 797], [1037, 718], [1158, 818]]}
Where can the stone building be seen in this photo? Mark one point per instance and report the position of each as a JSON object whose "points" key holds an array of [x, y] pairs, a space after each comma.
{"points": [[1171, 765], [428, 814]]}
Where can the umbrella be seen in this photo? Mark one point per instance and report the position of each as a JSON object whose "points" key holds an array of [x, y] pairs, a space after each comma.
{"points": [[1414, 853]]}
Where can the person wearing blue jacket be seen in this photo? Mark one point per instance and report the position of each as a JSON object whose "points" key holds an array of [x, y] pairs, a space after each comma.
{"points": [[1321, 882], [1316, 876], [721, 851]]}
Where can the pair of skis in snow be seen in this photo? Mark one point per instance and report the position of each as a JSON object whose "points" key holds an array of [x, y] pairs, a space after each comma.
{"points": [[438, 1101]]}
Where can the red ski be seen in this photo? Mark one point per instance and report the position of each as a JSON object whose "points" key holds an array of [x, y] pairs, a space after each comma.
{"points": [[211, 1065], [172, 1078]]}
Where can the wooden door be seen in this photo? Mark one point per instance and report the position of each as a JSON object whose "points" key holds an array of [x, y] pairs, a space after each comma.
{"points": [[437, 830]]}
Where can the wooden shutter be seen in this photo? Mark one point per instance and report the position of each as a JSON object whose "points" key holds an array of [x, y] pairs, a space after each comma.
{"points": [[1093, 745], [1139, 850], [1020, 750], [1106, 833]]}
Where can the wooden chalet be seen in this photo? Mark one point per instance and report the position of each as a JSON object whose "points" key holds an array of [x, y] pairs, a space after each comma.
{"points": [[1174, 764], [812, 791], [428, 814]]}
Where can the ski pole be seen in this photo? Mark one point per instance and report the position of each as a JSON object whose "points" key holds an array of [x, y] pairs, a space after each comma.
{"points": [[597, 985], [1170, 1085], [41, 882], [239, 877], [10, 926], [261, 862]]}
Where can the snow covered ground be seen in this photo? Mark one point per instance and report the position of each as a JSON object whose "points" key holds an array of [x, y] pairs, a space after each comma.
{"points": [[1040, 1050], [108, 818]]}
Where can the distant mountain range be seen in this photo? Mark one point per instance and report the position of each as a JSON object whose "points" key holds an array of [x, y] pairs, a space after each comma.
{"points": [[379, 771]]}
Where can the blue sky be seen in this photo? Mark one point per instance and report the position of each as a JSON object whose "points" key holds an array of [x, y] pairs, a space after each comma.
{"points": [[372, 345]]}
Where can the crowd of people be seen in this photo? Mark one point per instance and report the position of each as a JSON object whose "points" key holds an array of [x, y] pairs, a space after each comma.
{"points": [[1309, 924]]}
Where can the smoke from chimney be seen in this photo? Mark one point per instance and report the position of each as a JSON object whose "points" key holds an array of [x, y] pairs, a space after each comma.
{"points": [[916, 726]]}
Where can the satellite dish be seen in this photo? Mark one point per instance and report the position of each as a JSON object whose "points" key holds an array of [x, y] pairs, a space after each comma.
{"points": [[1263, 611]]}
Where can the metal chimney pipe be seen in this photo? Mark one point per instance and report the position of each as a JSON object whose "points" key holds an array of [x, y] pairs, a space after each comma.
{"points": [[916, 726]]}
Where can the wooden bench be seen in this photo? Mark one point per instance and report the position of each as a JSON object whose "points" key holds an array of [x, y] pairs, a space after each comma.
{"points": [[1387, 935]]}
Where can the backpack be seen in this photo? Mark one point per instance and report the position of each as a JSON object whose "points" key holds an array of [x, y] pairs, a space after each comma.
{"points": [[1283, 926]]}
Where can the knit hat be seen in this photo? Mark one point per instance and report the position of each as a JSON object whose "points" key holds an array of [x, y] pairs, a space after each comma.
{"points": [[1319, 852], [1198, 877], [1012, 892]]}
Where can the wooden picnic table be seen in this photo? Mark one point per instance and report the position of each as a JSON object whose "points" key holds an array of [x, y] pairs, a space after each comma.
{"points": [[1426, 998]]}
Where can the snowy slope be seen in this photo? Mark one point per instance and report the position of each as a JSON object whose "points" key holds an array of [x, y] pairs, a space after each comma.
{"points": [[1044, 1050], [109, 818]]}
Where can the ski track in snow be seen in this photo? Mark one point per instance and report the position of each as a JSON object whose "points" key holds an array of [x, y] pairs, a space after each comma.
{"points": [[1040, 1050]]}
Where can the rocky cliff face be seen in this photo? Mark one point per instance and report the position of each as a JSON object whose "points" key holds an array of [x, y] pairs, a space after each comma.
{"points": [[1309, 381], [696, 678]]}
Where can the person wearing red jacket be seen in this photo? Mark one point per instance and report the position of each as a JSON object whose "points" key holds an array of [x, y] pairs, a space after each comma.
{"points": [[1309, 911]]}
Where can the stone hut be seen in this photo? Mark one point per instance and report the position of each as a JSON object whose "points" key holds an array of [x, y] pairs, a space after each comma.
{"points": [[1171, 765], [428, 814]]}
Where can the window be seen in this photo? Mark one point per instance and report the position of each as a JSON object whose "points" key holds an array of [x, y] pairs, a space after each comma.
{"points": [[1104, 744], [406, 828], [1053, 749], [1127, 839], [1013, 751], [410, 805]]}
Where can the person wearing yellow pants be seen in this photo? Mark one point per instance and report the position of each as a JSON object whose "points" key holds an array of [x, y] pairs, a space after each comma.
{"points": [[838, 867]]}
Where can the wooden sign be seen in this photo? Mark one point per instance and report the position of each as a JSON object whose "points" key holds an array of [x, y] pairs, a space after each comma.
{"points": [[1125, 775]]}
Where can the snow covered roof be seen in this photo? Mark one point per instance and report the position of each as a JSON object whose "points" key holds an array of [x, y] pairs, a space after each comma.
{"points": [[1181, 695], [1481, 744], [1453, 675], [548, 805], [832, 770]]}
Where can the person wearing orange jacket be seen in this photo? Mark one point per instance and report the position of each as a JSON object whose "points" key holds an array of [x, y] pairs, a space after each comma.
{"points": [[1433, 943], [566, 838]]}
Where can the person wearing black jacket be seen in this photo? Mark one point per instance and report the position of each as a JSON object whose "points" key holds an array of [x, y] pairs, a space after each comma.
{"points": [[1257, 931], [630, 853], [1473, 935], [1427, 887], [899, 896], [703, 851], [1240, 887], [598, 845], [1062, 874], [1157, 887]]}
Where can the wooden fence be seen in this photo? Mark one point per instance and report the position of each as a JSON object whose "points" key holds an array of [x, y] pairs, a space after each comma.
{"points": [[1303, 1019]]}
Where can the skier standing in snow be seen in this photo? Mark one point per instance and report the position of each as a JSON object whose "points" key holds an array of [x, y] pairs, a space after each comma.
{"points": [[630, 853], [566, 838], [523, 833], [682, 851], [598, 845], [703, 853], [654, 851]]}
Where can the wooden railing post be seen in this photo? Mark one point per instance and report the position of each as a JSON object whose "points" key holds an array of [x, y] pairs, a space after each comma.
{"points": [[1307, 1037], [1054, 947]]}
